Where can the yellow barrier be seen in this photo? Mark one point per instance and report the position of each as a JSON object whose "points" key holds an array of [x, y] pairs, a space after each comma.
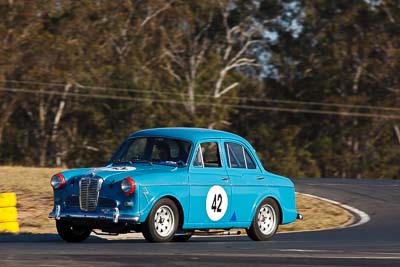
{"points": [[9, 227], [8, 213], [8, 200]]}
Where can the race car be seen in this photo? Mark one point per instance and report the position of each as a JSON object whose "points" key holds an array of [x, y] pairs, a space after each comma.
{"points": [[171, 183]]}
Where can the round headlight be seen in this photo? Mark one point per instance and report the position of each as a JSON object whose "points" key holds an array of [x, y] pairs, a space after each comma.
{"points": [[128, 186], [57, 181]]}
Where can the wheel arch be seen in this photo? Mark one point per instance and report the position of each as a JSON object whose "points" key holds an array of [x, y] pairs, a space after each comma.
{"points": [[179, 207], [275, 199], [174, 199], [279, 207]]}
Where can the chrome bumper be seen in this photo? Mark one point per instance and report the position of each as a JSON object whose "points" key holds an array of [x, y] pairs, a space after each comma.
{"points": [[115, 217]]}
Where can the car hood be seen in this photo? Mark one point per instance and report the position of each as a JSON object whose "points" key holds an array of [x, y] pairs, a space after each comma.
{"points": [[119, 172]]}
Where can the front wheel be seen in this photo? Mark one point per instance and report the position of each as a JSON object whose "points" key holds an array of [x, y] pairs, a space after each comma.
{"points": [[72, 233], [265, 222], [162, 222]]}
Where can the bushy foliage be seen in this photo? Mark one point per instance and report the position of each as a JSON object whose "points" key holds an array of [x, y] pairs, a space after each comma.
{"points": [[78, 77]]}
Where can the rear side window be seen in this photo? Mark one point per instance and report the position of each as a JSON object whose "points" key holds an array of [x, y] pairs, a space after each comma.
{"points": [[238, 157], [207, 155]]}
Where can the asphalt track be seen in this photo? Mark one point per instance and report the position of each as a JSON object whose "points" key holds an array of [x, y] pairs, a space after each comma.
{"points": [[375, 243]]}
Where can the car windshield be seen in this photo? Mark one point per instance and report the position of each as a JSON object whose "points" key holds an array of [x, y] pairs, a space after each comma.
{"points": [[158, 150]]}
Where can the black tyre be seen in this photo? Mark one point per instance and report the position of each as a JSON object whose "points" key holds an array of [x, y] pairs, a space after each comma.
{"points": [[265, 222], [162, 222], [72, 233], [182, 238]]}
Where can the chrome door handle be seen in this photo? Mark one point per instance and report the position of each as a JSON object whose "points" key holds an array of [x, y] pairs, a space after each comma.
{"points": [[260, 177], [225, 178]]}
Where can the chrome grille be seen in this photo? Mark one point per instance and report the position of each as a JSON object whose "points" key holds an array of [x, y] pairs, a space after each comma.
{"points": [[89, 189]]}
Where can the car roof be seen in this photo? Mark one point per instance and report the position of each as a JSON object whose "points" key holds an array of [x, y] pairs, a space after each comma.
{"points": [[188, 133]]}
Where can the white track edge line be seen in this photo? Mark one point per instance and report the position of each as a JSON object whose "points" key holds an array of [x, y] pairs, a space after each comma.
{"points": [[364, 217]]}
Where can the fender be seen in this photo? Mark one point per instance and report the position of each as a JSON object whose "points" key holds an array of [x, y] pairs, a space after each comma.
{"points": [[261, 198], [150, 195], [285, 198]]}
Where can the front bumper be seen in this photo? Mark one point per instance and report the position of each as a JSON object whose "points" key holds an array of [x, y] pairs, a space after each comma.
{"points": [[115, 217]]}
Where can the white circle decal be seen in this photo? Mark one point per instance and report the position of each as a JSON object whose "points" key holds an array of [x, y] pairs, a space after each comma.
{"points": [[216, 203]]}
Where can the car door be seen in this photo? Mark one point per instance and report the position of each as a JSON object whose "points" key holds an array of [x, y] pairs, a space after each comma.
{"points": [[210, 189], [247, 179]]}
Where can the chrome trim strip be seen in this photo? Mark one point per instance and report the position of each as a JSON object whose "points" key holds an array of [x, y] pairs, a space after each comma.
{"points": [[145, 193], [96, 216]]}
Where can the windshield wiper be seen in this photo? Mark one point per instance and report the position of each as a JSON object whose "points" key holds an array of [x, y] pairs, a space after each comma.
{"points": [[167, 163], [132, 161], [179, 163], [142, 161], [120, 161]]}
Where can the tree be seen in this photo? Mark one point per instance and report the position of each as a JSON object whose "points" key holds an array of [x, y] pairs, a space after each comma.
{"points": [[338, 58]]}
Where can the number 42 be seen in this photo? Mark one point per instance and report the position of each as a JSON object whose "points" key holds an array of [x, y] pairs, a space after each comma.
{"points": [[216, 204]]}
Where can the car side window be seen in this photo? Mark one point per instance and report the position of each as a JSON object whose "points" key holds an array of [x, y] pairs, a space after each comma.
{"points": [[238, 157], [249, 161], [207, 155]]}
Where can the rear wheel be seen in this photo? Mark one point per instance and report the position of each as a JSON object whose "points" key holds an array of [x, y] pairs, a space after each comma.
{"points": [[265, 222], [72, 233], [162, 222]]}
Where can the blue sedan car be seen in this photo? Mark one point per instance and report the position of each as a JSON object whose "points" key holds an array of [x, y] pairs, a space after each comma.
{"points": [[170, 182]]}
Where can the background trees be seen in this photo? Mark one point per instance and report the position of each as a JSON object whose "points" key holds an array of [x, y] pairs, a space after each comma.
{"points": [[312, 84]]}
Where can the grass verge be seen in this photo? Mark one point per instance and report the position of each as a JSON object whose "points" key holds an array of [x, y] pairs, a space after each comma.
{"points": [[35, 200]]}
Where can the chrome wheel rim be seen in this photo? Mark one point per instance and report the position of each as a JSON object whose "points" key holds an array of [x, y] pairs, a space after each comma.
{"points": [[164, 221], [266, 219]]}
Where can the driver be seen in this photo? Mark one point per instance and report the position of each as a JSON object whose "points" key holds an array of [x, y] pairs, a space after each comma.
{"points": [[163, 151]]}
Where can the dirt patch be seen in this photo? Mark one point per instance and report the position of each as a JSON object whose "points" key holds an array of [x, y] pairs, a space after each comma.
{"points": [[35, 200], [318, 215]]}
